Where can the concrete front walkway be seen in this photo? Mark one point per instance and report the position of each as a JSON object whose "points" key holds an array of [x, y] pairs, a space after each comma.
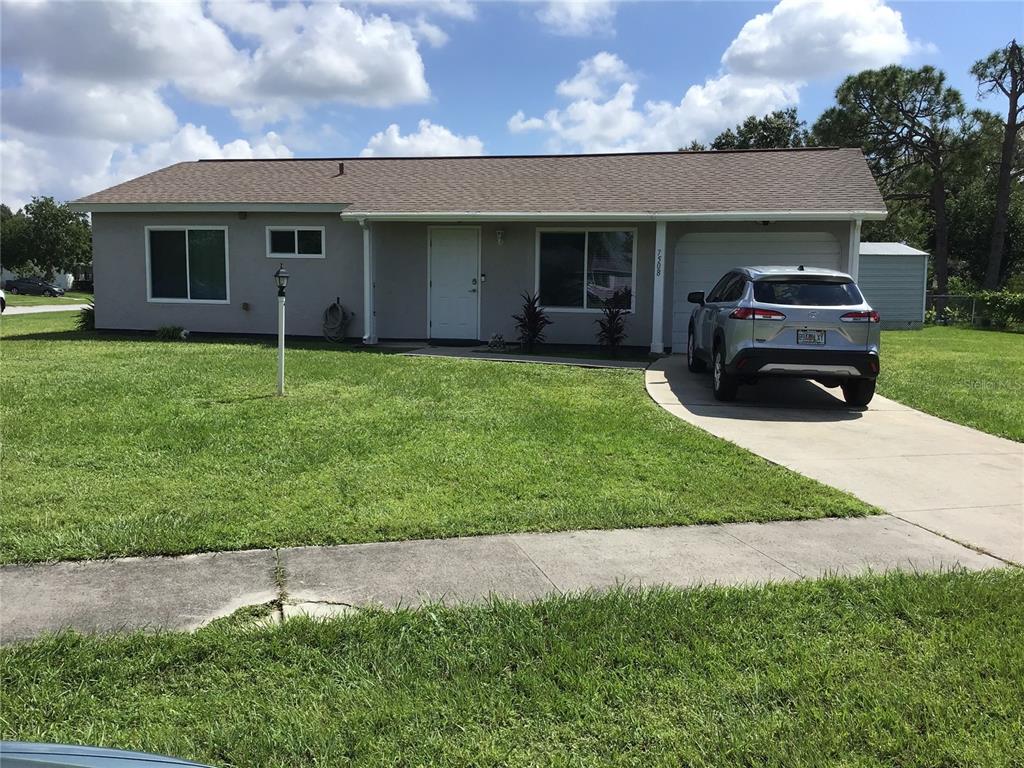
{"points": [[183, 593], [43, 308], [953, 480]]}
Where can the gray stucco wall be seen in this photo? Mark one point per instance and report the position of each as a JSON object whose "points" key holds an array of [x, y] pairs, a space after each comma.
{"points": [[401, 289], [894, 286], [507, 270], [119, 268]]}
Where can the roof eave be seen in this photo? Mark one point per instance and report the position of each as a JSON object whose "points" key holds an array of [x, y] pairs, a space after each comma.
{"points": [[791, 215], [85, 206]]}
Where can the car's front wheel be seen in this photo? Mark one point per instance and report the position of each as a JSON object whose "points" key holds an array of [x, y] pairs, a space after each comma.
{"points": [[723, 384], [858, 392], [693, 363]]}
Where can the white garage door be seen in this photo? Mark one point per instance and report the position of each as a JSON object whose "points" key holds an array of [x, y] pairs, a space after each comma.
{"points": [[701, 258]]}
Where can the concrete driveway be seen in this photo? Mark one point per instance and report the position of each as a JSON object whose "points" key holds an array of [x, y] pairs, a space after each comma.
{"points": [[952, 480], [41, 308]]}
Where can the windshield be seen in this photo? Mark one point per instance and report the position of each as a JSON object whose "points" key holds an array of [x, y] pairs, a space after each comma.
{"points": [[805, 292]]}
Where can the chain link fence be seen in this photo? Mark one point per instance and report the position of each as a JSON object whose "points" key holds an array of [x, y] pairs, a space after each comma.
{"points": [[972, 311]]}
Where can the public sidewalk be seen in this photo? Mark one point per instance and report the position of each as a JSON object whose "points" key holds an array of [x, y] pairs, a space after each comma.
{"points": [[183, 593]]}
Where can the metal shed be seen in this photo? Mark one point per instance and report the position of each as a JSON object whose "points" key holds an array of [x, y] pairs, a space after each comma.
{"points": [[893, 278]]}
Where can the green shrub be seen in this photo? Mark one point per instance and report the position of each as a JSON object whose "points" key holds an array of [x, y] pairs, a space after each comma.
{"points": [[531, 322], [86, 319], [171, 333], [611, 326], [1003, 309]]}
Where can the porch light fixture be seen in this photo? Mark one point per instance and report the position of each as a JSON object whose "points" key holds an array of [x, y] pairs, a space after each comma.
{"points": [[281, 280], [501, 236]]}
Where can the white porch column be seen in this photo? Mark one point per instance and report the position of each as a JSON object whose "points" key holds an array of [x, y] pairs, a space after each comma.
{"points": [[853, 253], [369, 275], [658, 315]]}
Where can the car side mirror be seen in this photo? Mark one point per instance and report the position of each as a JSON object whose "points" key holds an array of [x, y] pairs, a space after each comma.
{"points": [[695, 297]]}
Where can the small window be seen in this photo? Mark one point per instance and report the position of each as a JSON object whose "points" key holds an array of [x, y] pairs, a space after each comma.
{"points": [[295, 242], [586, 269], [187, 264]]}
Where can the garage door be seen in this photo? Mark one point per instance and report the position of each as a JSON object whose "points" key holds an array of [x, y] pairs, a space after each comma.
{"points": [[701, 258]]}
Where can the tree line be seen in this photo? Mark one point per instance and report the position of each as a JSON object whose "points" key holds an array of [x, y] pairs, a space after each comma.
{"points": [[950, 176], [44, 238]]}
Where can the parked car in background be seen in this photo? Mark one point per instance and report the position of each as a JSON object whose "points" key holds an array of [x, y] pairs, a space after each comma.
{"points": [[3, 300], [34, 286], [785, 321]]}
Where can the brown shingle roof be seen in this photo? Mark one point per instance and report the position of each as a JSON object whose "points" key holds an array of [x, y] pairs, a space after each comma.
{"points": [[816, 180]]}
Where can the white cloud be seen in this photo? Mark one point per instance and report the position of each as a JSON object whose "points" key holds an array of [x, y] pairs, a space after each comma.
{"points": [[87, 110], [288, 57], [318, 53], [519, 123], [429, 139], [763, 69], [433, 34], [70, 167], [594, 74], [799, 39], [578, 19]]}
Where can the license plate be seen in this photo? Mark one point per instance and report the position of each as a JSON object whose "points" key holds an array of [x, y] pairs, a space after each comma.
{"points": [[810, 337]]}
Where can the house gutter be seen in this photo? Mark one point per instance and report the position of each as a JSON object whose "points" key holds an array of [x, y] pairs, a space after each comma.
{"points": [[87, 207], [790, 215]]}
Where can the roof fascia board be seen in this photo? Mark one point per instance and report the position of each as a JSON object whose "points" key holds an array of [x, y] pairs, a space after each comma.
{"points": [[86, 207], [615, 216]]}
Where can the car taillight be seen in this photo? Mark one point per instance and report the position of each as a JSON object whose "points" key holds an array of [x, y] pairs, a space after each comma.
{"points": [[861, 317], [745, 313]]}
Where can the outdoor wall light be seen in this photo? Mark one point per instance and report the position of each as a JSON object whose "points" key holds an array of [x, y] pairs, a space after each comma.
{"points": [[281, 280], [501, 236]]}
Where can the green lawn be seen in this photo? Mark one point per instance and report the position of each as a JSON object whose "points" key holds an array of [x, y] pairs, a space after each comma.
{"points": [[23, 300], [971, 377], [126, 447], [900, 670]]}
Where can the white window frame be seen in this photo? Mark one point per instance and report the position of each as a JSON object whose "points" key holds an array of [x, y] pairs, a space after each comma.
{"points": [[188, 277], [586, 247], [296, 229]]}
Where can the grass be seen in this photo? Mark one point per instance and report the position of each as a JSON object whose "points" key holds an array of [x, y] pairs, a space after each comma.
{"points": [[25, 300], [879, 671], [134, 446], [972, 377]]}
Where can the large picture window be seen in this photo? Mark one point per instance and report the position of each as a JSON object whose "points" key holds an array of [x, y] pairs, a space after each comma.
{"points": [[586, 269], [295, 242], [187, 264]]}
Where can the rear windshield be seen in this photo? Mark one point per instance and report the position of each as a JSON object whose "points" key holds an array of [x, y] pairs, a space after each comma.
{"points": [[799, 291]]}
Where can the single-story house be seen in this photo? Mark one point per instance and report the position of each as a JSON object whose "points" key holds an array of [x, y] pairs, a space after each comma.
{"points": [[443, 247], [894, 279]]}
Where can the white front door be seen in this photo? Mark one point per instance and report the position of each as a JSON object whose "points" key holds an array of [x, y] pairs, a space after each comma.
{"points": [[454, 282]]}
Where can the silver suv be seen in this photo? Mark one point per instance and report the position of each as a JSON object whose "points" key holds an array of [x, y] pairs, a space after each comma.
{"points": [[785, 321]]}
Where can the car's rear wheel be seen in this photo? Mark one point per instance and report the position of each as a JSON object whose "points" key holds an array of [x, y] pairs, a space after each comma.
{"points": [[858, 391], [723, 384], [693, 363]]}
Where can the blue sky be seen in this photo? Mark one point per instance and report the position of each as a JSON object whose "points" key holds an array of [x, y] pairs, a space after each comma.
{"points": [[95, 92]]}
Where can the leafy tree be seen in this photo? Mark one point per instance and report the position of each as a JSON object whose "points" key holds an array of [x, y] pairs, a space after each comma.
{"points": [[14, 239], [48, 235], [781, 129], [1003, 71], [912, 127]]}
